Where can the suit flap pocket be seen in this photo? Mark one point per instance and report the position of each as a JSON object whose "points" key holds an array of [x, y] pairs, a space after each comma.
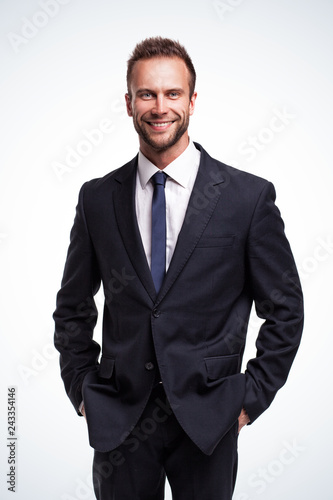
{"points": [[222, 366], [106, 367]]}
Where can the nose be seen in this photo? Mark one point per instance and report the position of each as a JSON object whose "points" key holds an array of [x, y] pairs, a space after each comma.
{"points": [[160, 107]]}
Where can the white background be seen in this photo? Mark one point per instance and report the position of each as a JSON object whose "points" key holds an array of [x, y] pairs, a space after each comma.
{"points": [[62, 73]]}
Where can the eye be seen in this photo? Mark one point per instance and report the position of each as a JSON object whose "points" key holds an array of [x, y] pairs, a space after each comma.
{"points": [[173, 95], [146, 95]]}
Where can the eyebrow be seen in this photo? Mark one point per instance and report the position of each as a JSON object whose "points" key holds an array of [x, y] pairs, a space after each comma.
{"points": [[176, 89]]}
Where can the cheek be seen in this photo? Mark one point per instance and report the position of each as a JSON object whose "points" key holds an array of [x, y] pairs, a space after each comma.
{"points": [[139, 111], [186, 109]]}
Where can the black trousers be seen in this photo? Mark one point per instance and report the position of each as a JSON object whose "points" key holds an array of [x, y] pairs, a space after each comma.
{"points": [[158, 448]]}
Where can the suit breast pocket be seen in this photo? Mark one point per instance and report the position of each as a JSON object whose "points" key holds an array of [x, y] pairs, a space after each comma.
{"points": [[216, 241]]}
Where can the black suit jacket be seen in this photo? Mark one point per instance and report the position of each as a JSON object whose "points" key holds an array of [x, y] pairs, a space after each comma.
{"points": [[231, 252]]}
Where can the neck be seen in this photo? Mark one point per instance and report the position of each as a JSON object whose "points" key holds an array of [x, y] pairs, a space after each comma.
{"points": [[162, 159]]}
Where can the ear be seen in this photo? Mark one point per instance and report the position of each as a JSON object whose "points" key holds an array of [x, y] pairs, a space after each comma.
{"points": [[128, 105], [192, 103]]}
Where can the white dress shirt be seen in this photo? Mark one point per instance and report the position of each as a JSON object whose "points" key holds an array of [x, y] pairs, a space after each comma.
{"points": [[178, 187]]}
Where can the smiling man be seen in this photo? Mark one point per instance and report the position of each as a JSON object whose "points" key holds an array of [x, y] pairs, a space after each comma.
{"points": [[183, 246], [160, 100]]}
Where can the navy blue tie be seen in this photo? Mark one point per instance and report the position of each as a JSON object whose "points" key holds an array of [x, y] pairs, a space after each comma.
{"points": [[158, 230]]}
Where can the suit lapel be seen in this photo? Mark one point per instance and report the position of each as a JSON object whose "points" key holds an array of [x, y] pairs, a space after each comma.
{"points": [[203, 200], [124, 205]]}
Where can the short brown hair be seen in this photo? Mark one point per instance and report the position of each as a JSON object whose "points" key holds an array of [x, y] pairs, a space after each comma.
{"points": [[160, 47]]}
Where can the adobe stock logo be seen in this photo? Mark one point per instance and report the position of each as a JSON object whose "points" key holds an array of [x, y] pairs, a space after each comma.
{"points": [[31, 27], [265, 476], [39, 362], [224, 8], [90, 139], [278, 122], [75, 154]]}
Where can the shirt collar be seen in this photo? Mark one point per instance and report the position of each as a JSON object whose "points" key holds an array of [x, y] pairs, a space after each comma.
{"points": [[180, 170]]}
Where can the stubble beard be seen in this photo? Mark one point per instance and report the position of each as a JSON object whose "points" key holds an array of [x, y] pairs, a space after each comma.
{"points": [[161, 144]]}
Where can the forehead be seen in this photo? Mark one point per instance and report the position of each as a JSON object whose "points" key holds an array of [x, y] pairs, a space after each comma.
{"points": [[160, 73]]}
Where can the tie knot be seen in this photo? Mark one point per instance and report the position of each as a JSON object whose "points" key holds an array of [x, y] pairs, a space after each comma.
{"points": [[159, 178]]}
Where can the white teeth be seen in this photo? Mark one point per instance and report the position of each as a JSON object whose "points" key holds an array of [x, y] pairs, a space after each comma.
{"points": [[159, 124]]}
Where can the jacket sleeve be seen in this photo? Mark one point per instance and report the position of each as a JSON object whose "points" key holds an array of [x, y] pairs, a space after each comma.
{"points": [[277, 295], [76, 313]]}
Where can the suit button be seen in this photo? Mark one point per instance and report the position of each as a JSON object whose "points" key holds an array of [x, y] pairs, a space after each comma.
{"points": [[156, 313], [149, 366]]}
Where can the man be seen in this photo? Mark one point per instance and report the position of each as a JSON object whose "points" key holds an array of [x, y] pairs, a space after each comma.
{"points": [[181, 257]]}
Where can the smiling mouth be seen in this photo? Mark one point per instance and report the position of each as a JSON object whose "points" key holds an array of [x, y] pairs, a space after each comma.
{"points": [[160, 124]]}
